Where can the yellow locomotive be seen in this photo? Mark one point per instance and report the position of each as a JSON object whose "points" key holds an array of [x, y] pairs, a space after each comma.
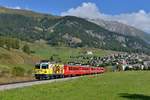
{"points": [[47, 70]]}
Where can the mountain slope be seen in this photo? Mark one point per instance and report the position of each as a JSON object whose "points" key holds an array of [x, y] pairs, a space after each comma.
{"points": [[24, 12], [122, 29], [65, 31], [90, 34]]}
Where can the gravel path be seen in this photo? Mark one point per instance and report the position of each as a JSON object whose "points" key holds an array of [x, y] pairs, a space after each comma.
{"points": [[25, 84]]}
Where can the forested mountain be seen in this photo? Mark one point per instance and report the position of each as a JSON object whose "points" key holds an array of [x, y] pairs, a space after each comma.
{"points": [[64, 31]]}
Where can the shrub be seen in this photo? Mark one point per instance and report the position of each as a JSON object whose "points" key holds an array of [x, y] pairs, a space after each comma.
{"points": [[29, 72], [18, 71], [4, 72], [26, 49]]}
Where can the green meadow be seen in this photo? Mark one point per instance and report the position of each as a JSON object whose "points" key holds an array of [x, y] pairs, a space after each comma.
{"points": [[132, 85], [64, 53]]}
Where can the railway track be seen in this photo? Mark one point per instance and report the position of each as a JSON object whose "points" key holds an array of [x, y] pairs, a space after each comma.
{"points": [[14, 85], [17, 82]]}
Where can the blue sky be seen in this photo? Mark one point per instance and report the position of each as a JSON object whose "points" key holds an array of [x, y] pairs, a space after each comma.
{"points": [[112, 7]]}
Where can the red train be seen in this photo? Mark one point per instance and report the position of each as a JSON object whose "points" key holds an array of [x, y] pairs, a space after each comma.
{"points": [[46, 70]]}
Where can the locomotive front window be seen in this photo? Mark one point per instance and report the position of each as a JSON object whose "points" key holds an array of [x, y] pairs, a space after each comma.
{"points": [[37, 66], [44, 66]]}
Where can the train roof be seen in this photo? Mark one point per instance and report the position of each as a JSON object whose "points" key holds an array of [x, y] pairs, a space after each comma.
{"points": [[78, 65]]}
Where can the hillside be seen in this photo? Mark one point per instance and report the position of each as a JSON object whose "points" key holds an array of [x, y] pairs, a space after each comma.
{"points": [[83, 33], [16, 65], [23, 12], [122, 29], [15, 59], [65, 31]]}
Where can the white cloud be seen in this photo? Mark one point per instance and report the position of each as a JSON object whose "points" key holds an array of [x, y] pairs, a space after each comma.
{"points": [[88, 10], [140, 19], [17, 7]]}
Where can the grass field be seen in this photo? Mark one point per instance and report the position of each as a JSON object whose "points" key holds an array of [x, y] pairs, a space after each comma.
{"points": [[109, 86], [63, 53]]}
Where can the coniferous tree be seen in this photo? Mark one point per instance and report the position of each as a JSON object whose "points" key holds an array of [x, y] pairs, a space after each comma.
{"points": [[26, 49]]}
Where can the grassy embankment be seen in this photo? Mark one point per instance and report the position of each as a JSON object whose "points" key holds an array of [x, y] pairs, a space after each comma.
{"points": [[109, 86], [15, 65]]}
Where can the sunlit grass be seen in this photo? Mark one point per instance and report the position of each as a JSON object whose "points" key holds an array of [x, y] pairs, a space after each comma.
{"points": [[108, 86]]}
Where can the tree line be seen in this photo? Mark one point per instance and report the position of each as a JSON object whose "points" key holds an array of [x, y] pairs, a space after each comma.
{"points": [[13, 43]]}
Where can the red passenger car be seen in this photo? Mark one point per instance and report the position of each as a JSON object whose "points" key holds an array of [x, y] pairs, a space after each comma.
{"points": [[77, 70]]}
